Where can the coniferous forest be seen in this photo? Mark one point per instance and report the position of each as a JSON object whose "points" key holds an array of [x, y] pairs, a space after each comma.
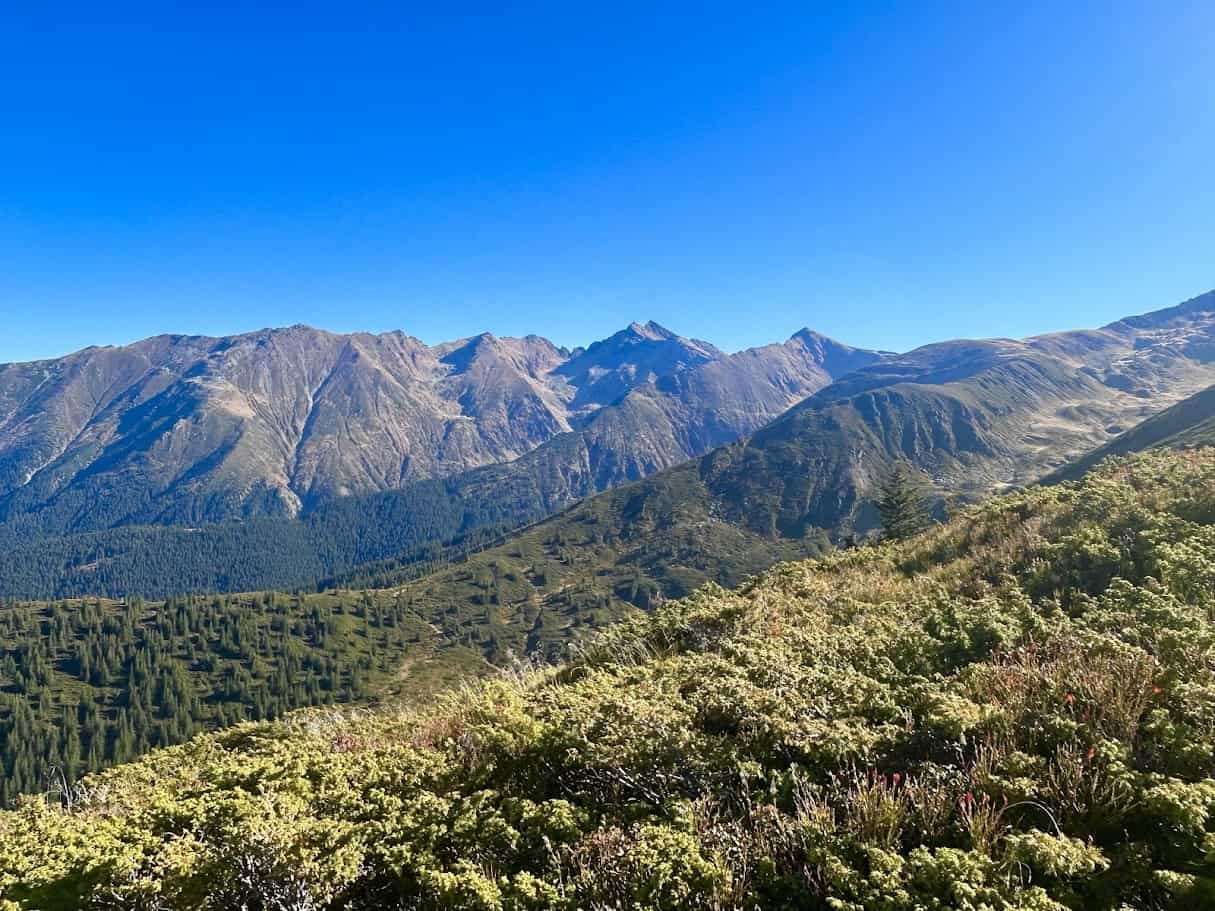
{"points": [[86, 684], [414, 526]]}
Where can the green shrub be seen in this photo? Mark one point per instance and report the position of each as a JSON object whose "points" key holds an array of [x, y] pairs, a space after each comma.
{"points": [[1013, 711]]}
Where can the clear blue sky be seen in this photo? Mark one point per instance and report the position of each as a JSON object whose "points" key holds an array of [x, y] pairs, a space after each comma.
{"points": [[889, 174]]}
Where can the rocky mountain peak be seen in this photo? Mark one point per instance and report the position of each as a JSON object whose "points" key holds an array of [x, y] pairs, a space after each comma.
{"points": [[650, 331], [836, 358], [276, 421], [637, 354], [460, 355]]}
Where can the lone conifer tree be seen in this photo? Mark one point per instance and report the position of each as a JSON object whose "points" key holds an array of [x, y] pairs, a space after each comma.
{"points": [[902, 505]]}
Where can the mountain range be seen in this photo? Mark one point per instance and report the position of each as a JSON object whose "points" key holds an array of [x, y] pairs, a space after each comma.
{"points": [[190, 430], [148, 468], [970, 417]]}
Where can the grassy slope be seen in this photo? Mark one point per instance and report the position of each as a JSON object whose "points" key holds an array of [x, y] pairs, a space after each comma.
{"points": [[625, 550], [1014, 711], [1189, 423]]}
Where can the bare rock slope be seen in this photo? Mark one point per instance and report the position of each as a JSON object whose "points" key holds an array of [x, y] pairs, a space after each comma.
{"points": [[190, 430]]}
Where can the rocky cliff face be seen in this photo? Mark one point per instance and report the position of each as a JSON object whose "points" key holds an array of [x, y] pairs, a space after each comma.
{"points": [[186, 430]]}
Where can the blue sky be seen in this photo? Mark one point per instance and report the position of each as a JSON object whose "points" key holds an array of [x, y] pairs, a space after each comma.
{"points": [[889, 174]]}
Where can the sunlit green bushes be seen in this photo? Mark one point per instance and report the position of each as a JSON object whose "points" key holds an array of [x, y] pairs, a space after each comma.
{"points": [[1014, 711]]}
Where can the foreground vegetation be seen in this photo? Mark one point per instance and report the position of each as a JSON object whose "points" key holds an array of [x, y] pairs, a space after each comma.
{"points": [[1015, 710]]}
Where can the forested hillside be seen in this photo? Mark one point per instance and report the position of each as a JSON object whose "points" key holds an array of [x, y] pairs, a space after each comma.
{"points": [[414, 525], [1012, 711], [629, 548], [87, 684]]}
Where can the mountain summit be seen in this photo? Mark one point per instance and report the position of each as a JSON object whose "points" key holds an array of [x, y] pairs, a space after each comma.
{"points": [[638, 354], [189, 429]]}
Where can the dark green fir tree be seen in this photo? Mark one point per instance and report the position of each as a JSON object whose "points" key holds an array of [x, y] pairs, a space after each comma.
{"points": [[902, 504]]}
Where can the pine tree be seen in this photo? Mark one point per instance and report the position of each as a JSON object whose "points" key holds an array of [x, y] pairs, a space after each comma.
{"points": [[902, 504]]}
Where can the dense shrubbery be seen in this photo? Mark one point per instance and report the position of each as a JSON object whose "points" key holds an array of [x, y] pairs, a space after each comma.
{"points": [[1014, 711]]}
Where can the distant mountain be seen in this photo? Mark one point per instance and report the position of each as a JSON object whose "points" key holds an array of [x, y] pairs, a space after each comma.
{"points": [[971, 416], [1189, 423], [189, 430], [608, 369], [184, 429], [151, 512], [665, 421]]}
